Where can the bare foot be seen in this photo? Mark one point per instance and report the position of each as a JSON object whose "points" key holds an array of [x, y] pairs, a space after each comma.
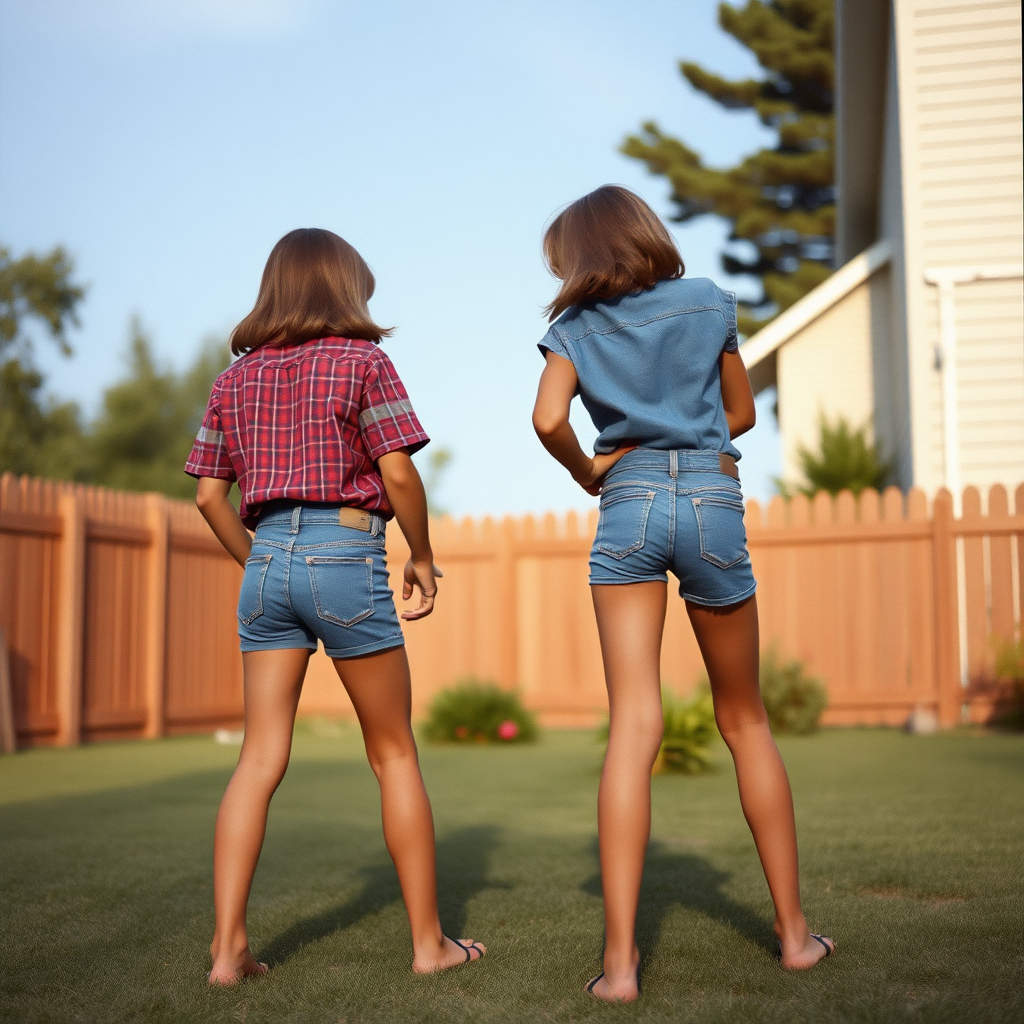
{"points": [[455, 952], [228, 971], [617, 987], [799, 956]]}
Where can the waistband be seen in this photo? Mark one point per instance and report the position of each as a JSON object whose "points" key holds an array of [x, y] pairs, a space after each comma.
{"points": [[332, 515], [675, 461]]}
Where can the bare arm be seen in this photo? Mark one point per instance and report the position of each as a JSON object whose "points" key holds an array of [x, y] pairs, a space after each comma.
{"points": [[212, 499], [551, 421], [737, 396], [405, 492]]}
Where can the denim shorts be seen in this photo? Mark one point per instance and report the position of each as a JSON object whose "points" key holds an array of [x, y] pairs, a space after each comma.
{"points": [[309, 579], [675, 510]]}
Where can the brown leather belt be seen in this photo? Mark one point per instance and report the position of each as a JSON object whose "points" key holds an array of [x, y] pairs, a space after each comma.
{"points": [[355, 518], [727, 464]]}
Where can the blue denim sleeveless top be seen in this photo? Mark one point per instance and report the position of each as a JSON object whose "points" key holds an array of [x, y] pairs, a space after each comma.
{"points": [[647, 364]]}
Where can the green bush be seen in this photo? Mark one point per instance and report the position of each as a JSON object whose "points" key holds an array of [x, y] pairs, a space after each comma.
{"points": [[689, 730], [472, 711], [793, 700]]}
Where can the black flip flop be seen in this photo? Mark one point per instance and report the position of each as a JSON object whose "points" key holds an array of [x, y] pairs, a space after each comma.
{"points": [[829, 950], [466, 950], [592, 983]]}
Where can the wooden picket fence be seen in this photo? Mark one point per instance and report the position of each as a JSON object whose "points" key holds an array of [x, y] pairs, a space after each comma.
{"points": [[119, 610]]}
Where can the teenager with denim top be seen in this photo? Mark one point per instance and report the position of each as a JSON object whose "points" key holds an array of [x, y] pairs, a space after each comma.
{"points": [[653, 357], [315, 426]]}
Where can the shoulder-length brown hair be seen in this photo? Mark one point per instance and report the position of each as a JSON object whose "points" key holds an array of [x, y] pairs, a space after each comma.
{"points": [[315, 285], [608, 243]]}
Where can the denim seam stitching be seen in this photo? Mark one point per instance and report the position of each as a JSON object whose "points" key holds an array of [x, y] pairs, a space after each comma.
{"points": [[327, 616], [258, 611], [707, 555], [642, 533], [644, 323]]}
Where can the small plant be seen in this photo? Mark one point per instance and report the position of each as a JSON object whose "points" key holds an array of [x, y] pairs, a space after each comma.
{"points": [[472, 711], [846, 458], [689, 730], [793, 700]]}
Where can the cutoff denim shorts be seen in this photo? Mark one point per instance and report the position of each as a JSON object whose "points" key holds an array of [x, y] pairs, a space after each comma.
{"points": [[309, 579], [675, 510]]}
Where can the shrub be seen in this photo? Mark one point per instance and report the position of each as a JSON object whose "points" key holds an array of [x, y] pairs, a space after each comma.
{"points": [[689, 730], [472, 711], [793, 700]]}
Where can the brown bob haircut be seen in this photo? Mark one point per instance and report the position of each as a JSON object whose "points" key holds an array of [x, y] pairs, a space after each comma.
{"points": [[315, 285], [607, 244]]}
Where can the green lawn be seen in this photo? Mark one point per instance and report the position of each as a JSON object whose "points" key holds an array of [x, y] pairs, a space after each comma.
{"points": [[912, 859]]}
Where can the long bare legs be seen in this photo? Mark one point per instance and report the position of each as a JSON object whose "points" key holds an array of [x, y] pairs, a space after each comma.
{"points": [[728, 640], [273, 682], [630, 620], [380, 690]]}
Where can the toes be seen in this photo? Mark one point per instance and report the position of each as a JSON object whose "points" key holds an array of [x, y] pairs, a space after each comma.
{"points": [[475, 949]]}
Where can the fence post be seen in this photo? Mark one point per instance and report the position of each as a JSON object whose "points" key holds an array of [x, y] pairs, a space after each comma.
{"points": [[947, 632], [506, 586], [8, 736], [156, 614], [70, 618]]}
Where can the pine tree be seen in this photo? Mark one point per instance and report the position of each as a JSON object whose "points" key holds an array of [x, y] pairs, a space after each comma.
{"points": [[781, 201]]}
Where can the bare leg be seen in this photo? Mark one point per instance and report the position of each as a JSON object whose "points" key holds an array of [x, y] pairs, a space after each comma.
{"points": [[630, 620], [728, 639], [273, 682], [380, 690]]}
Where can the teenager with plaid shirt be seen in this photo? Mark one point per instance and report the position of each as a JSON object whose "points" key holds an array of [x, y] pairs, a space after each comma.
{"points": [[315, 426]]}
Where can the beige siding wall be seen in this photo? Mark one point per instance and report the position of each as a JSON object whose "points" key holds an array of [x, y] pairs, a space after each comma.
{"points": [[959, 68], [827, 367]]}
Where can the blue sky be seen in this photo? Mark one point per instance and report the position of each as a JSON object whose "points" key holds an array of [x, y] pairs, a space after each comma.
{"points": [[169, 144]]}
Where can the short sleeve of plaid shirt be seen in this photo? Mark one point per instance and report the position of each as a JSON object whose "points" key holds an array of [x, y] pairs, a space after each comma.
{"points": [[386, 418], [209, 456]]}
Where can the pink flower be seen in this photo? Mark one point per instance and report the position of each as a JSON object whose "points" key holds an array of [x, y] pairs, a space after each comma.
{"points": [[508, 730]]}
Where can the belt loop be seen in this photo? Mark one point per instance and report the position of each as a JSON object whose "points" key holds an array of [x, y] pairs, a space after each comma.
{"points": [[375, 522], [295, 518], [673, 463]]}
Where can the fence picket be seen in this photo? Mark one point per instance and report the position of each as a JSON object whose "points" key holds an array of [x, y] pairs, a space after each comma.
{"points": [[864, 591]]}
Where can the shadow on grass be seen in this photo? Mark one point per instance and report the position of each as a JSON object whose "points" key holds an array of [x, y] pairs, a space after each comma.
{"points": [[463, 858], [687, 880]]}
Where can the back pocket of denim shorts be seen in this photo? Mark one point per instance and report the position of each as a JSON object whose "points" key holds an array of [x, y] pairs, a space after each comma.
{"points": [[622, 526], [250, 597], [723, 538], [342, 588]]}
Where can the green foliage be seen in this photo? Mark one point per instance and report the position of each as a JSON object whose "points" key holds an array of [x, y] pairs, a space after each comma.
{"points": [[438, 460], [149, 420], [793, 700], [42, 438], [472, 711], [781, 201], [689, 731], [37, 288], [845, 460]]}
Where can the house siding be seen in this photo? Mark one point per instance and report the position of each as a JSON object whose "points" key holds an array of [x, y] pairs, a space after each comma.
{"points": [[827, 368], [959, 74]]}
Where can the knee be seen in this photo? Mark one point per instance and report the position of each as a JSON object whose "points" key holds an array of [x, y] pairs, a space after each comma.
{"points": [[263, 768], [641, 728], [391, 752], [736, 724]]}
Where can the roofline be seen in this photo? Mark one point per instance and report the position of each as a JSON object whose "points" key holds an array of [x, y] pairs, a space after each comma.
{"points": [[815, 302]]}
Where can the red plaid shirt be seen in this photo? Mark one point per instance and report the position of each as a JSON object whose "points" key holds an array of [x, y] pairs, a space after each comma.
{"points": [[307, 423]]}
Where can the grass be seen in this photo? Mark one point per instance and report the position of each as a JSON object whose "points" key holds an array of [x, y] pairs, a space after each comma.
{"points": [[911, 852]]}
